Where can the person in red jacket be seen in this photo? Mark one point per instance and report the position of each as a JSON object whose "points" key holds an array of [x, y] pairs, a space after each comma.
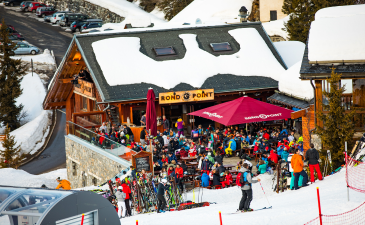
{"points": [[273, 156], [228, 180], [266, 136], [127, 192], [179, 172], [183, 153]]}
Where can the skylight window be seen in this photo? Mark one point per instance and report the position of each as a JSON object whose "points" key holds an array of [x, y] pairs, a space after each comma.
{"points": [[164, 51], [220, 47]]}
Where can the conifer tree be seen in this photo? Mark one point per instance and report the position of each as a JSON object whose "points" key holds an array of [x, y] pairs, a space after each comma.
{"points": [[10, 156], [172, 7], [338, 126], [302, 14], [11, 73]]}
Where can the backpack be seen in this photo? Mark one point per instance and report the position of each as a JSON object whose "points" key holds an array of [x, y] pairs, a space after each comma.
{"points": [[243, 179], [195, 134]]}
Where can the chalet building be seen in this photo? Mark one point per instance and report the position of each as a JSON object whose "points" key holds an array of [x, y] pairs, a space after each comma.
{"points": [[189, 68], [327, 48], [270, 10]]}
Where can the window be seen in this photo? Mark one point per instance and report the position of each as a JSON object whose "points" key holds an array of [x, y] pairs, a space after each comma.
{"points": [[220, 47], [164, 51], [273, 15], [74, 168], [94, 181], [84, 103]]}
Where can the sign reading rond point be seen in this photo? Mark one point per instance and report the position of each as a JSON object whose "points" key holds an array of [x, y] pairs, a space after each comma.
{"points": [[186, 96]]}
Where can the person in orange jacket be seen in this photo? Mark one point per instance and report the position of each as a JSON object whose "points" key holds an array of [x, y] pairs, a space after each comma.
{"points": [[297, 165], [63, 184]]}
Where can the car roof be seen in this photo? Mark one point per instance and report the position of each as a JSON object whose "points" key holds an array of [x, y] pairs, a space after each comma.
{"points": [[94, 20]]}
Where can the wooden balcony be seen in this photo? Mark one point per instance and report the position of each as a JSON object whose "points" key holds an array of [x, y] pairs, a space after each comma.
{"points": [[85, 88]]}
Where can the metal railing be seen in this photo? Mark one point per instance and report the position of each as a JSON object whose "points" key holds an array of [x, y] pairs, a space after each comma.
{"points": [[100, 141]]}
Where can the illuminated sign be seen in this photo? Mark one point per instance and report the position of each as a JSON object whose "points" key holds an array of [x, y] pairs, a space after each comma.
{"points": [[186, 96]]}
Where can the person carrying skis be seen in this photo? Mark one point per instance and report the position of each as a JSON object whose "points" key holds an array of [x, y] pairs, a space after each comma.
{"points": [[162, 187], [312, 156], [246, 181]]}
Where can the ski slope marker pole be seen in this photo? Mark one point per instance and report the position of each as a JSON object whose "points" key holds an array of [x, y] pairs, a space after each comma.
{"points": [[265, 193], [136, 222], [220, 217], [82, 219], [319, 207]]}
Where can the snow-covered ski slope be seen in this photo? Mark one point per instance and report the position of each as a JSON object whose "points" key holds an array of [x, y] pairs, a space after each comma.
{"points": [[290, 207]]}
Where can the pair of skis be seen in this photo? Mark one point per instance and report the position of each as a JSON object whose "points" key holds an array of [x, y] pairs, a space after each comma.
{"points": [[254, 210]]}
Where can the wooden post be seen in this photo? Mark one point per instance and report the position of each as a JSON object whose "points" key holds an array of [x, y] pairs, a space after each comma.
{"points": [[278, 177], [319, 100]]}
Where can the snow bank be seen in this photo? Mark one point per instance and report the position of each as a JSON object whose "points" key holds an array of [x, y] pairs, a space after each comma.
{"points": [[291, 51], [290, 207], [275, 28], [211, 10], [20, 178], [45, 57], [191, 69], [32, 96], [326, 43], [126, 9]]}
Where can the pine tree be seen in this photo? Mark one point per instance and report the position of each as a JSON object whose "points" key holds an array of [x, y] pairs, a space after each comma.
{"points": [[11, 73], [338, 126], [172, 7], [148, 5], [10, 156], [302, 14]]}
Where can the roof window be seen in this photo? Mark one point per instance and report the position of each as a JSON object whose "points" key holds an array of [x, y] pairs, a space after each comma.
{"points": [[220, 47], [164, 51]]}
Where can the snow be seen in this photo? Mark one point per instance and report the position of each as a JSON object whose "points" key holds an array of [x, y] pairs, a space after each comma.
{"points": [[20, 178], [196, 72], [211, 10], [326, 43], [31, 136], [291, 51], [275, 28], [126, 9], [290, 207], [45, 57]]}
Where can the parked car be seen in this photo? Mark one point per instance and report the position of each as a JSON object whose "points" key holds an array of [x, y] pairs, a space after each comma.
{"points": [[35, 5], [12, 2], [71, 17], [13, 32], [91, 25], [14, 38], [24, 6], [23, 48], [45, 11], [76, 25], [56, 17], [47, 18]]}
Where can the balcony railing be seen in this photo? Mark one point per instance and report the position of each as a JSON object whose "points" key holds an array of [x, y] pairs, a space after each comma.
{"points": [[100, 141]]}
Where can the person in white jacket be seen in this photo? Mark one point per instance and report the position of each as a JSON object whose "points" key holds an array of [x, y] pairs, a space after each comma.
{"points": [[121, 202]]}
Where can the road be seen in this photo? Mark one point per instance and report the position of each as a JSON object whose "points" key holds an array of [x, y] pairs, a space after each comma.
{"points": [[44, 36], [38, 33], [54, 156]]}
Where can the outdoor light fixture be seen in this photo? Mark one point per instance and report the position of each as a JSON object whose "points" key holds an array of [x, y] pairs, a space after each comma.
{"points": [[243, 14]]}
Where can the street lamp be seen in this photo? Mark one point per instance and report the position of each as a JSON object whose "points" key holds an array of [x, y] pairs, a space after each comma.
{"points": [[243, 14]]}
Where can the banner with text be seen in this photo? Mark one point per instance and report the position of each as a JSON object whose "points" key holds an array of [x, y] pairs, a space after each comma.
{"points": [[186, 96]]}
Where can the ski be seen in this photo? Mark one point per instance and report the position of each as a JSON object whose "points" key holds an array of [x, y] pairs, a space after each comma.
{"points": [[249, 211]]}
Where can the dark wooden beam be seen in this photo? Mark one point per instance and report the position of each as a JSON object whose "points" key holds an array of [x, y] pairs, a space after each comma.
{"points": [[55, 104], [65, 80]]}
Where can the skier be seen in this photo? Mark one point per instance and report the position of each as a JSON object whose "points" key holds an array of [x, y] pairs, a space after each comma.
{"points": [[128, 196], [162, 187], [312, 156], [121, 204], [246, 181], [297, 165], [63, 184]]}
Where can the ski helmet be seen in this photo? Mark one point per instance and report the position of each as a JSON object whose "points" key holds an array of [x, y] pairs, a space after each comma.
{"points": [[164, 181]]}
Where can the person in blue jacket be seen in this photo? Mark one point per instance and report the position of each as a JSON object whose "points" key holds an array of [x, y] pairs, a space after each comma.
{"points": [[280, 149], [205, 180], [285, 155], [172, 157], [133, 172]]}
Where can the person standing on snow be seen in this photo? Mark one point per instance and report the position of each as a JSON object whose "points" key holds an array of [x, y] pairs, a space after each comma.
{"points": [[162, 187], [297, 165], [246, 182], [312, 156], [121, 202]]}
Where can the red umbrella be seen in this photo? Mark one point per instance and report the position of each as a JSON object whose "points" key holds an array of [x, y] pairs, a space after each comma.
{"points": [[151, 119], [243, 110]]}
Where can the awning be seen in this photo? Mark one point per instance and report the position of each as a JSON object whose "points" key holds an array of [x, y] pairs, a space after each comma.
{"points": [[243, 110], [289, 101]]}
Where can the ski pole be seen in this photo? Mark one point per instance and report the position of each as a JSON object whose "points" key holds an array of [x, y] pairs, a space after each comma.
{"points": [[264, 194]]}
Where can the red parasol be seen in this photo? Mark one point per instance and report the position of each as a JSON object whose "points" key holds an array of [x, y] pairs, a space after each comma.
{"points": [[151, 120]]}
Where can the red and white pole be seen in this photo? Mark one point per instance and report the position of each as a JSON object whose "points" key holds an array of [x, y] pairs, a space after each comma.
{"points": [[136, 222], [319, 207], [82, 219], [220, 217]]}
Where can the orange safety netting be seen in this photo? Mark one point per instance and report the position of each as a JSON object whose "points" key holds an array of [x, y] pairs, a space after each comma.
{"points": [[353, 217], [355, 174]]}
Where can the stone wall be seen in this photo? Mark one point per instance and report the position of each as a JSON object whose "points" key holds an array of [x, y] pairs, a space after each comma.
{"points": [[88, 165], [84, 7]]}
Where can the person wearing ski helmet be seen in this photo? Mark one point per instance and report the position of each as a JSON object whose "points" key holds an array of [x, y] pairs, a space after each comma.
{"points": [[246, 182], [161, 202], [121, 202]]}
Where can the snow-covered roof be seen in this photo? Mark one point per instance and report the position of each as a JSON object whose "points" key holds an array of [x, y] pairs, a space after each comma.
{"points": [[124, 62], [127, 10], [212, 10], [275, 28], [338, 35]]}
